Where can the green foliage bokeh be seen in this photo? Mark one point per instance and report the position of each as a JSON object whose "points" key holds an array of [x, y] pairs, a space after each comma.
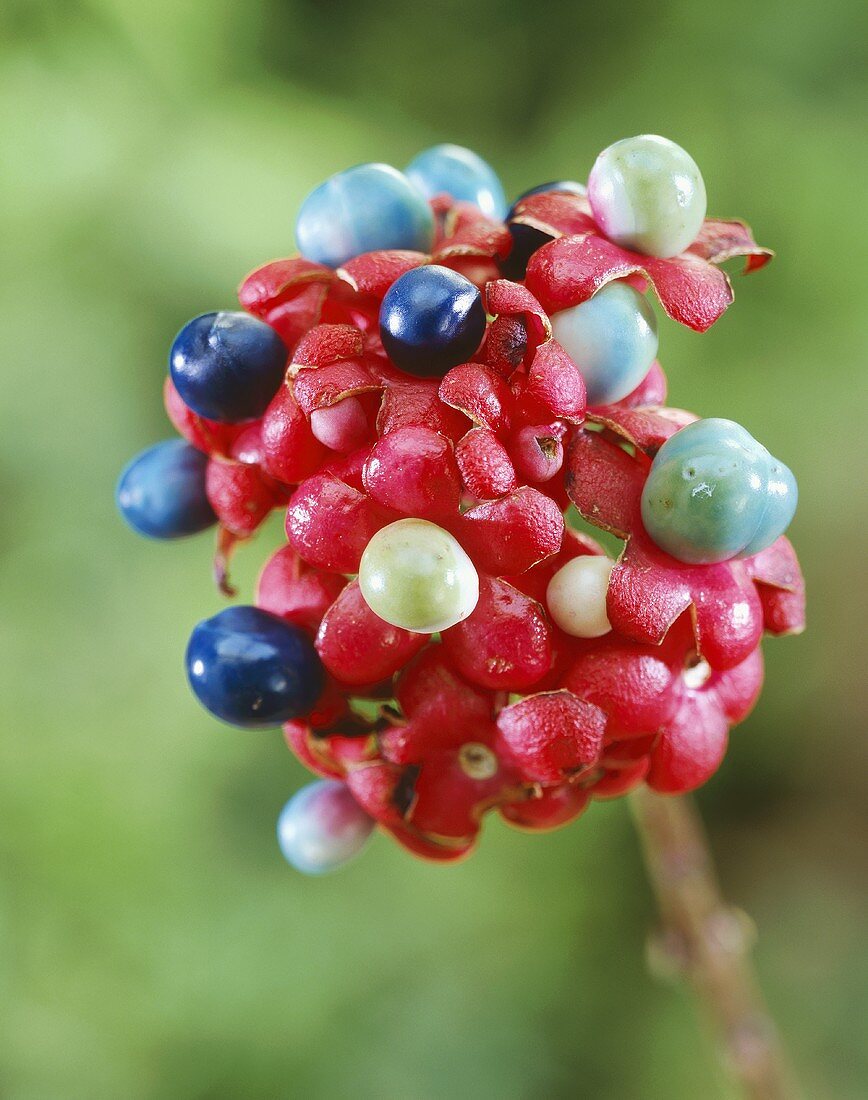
{"points": [[152, 943]]}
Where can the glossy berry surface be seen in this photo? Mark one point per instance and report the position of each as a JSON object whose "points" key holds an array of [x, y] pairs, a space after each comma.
{"points": [[648, 194], [612, 339], [576, 596], [252, 669], [322, 827], [715, 493], [415, 575], [461, 173], [161, 492], [227, 366], [366, 208], [431, 319]]}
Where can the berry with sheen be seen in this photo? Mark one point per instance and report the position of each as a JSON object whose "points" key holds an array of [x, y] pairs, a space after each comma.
{"points": [[161, 492], [612, 339], [227, 366], [648, 194], [252, 669], [461, 173], [715, 493], [576, 596], [431, 320], [322, 827], [364, 209], [417, 576]]}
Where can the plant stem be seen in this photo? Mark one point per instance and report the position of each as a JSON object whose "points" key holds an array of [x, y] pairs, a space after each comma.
{"points": [[709, 942]]}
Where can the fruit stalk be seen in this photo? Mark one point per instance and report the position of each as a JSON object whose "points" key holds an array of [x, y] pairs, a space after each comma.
{"points": [[708, 942]]}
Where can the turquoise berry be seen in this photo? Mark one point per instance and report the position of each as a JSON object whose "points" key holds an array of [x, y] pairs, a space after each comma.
{"points": [[461, 173], [322, 827], [647, 194], [715, 493], [612, 339], [364, 209]]}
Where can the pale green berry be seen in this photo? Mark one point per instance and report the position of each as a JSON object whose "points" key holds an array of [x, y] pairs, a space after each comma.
{"points": [[415, 575], [647, 194], [576, 596]]}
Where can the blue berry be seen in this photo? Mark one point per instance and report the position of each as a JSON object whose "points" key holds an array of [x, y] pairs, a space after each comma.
{"points": [[461, 173], [322, 827], [714, 493], [612, 339], [364, 209], [253, 669], [431, 319], [527, 239], [161, 492], [227, 366]]}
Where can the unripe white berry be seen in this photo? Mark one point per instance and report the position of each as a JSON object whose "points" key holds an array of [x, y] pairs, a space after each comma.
{"points": [[576, 596], [648, 194], [415, 575]]}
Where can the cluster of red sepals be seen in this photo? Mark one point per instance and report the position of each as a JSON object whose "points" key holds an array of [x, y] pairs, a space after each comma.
{"points": [[503, 710]]}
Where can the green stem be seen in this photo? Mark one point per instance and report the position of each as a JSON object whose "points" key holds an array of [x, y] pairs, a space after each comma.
{"points": [[709, 942]]}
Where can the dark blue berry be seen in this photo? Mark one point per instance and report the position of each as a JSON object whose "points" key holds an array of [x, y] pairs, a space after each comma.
{"points": [[161, 492], [431, 319], [253, 669], [526, 239], [227, 366]]}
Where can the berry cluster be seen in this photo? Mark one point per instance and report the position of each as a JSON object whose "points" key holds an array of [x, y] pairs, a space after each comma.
{"points": [[426, 392]]}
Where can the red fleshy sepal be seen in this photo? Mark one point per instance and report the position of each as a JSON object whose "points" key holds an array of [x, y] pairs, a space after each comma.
{"points": [[480, 393], [325, 386], [468, 232], [330, 523], [571, 270], [554, 386], [358, 647], [551, 736], [718, 241], [289, 295], [556, 213], [372, 273], [511, 534]]}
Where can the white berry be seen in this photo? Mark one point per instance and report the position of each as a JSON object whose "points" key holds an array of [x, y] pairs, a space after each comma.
{"points": [[415, 575], [576, 596], [648, 194]]}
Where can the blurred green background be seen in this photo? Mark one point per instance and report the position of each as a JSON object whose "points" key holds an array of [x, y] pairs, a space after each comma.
{"points": [[152, 943]]}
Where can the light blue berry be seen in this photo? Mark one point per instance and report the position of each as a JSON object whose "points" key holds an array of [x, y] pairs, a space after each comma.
{"points": [[715, 493], [364, 209], [461, 173]]}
